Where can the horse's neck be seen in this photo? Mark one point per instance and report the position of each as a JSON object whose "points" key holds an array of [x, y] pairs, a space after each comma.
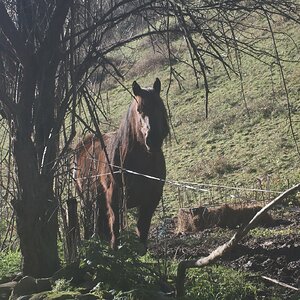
{"points": [[129, 139]]}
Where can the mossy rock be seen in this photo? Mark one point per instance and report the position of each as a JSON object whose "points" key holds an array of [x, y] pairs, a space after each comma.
{"points": [[68, 295], [71, 272], [29, 286], [87, 297], [57, 296]]}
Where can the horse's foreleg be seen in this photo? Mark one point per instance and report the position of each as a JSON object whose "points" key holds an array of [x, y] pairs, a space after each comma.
{"points": [[143, 224], [103, 220]]}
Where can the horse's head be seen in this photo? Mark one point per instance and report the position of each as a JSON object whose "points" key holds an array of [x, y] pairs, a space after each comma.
{"points": [[151, 115]]}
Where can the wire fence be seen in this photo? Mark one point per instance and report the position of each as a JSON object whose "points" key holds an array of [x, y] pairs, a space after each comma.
{"points": [[185, 193]]}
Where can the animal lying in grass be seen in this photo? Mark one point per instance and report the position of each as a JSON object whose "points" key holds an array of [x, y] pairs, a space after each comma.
{"points": [[199, 218]]}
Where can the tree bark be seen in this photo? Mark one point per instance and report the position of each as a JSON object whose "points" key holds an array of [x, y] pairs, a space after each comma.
{"points": [[37, 214]]}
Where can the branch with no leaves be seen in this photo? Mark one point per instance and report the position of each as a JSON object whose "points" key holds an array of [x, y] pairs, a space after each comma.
{"points": [[228, 246], [12, 34], [280, 283]]}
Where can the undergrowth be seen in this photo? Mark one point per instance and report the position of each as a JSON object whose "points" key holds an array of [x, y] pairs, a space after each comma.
{"points": [[124, 274], [10, 263], [119, 268]]}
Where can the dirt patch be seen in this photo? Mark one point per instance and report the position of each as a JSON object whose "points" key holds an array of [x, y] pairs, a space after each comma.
{"points": [[273, 252]]}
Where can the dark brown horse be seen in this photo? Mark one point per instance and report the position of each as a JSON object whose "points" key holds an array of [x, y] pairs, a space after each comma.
{"points": [[135, 146]]}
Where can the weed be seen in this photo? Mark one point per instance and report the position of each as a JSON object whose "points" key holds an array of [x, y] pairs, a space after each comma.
{"points": [[62, 285], [219, 283]]}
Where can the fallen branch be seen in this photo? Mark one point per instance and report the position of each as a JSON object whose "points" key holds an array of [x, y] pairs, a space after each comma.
{"points": [[280, 283], [228, 246]]}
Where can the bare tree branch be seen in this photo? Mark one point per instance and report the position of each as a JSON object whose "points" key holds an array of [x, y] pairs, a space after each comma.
{"points": [[52, 36], [13, 35]]}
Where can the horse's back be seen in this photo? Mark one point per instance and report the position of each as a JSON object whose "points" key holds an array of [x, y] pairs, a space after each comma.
{"points": [[90, 160]]}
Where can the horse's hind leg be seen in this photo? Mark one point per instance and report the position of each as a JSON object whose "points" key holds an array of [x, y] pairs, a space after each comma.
{"points": [[113, 215]]}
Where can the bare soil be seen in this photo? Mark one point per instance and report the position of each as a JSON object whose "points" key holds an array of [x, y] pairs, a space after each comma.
{"points": [[273, 252]]}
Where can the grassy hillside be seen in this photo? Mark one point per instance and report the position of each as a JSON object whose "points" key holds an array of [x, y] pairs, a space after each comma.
{"points": [[246, 139], [243, 139]]}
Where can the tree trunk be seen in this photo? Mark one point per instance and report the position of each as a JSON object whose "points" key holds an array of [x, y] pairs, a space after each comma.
{"points": [[37, 213]]}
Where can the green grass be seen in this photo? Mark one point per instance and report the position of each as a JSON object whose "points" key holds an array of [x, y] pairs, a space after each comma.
{"points": [[219, 283], [229, 148], [260, 232]]}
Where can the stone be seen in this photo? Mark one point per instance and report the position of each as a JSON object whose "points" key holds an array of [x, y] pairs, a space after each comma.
{"points": [[86, 297], [39, 296], [44, 284], [6, 289], [27, 297], [28, 286]]}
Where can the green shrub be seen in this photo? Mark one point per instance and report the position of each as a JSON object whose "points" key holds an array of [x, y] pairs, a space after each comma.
{"points": [[123, 274], [10, 263]]}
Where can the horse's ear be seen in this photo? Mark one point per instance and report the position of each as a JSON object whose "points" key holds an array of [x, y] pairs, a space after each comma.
{"points": [[136, 89], [157, 86]]}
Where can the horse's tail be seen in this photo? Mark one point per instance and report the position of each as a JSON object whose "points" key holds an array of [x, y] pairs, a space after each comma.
{"points": [[83, 145]]}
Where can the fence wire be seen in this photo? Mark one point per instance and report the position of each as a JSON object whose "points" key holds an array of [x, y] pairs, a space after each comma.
{"points": [[187, 193]]}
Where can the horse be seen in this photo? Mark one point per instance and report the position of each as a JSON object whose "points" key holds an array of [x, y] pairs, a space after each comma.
{"points": [[124, 169]]}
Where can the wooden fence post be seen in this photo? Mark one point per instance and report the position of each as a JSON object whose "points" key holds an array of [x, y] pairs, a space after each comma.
{"points": [[72, 236]]}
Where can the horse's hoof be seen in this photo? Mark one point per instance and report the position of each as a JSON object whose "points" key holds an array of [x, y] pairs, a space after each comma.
{"points": [[142, 250]]}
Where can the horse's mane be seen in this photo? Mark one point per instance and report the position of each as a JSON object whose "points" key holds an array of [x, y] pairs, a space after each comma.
{"points": [[121, 143], [117, 143]]}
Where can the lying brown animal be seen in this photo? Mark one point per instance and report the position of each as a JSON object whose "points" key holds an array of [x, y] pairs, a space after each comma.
{"points": [[199, 218]]}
